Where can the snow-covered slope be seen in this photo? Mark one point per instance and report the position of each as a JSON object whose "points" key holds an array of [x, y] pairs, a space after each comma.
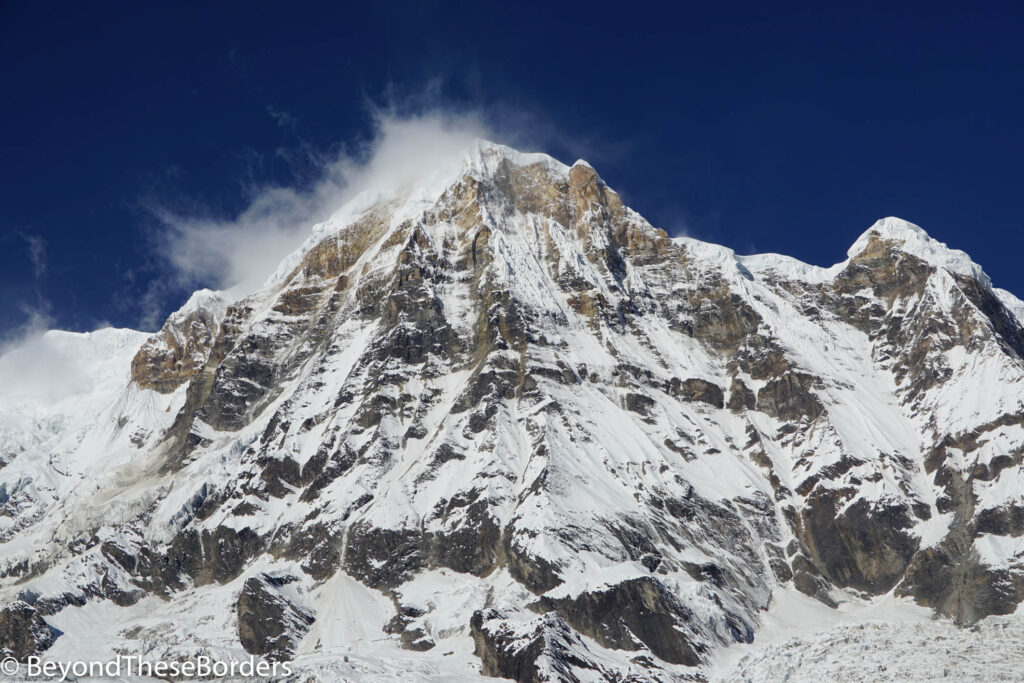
{"points": [[500, 424], [53, 390], [802, 641]]}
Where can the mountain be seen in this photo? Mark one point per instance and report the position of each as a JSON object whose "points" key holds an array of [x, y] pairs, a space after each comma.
{"points": [[499, 424]]}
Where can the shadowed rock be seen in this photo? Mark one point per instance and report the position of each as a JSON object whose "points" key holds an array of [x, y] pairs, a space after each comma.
{"points": [[632, 614], [23, 632], [269, 624]]}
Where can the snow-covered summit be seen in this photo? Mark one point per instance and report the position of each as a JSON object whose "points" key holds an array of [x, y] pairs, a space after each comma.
{"points": [[915, 241], [482, 160], [906, 236], [208, 300], [483, 156]]}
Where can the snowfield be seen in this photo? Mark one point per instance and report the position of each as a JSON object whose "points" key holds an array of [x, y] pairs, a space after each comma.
{"points": [[887, 641]]}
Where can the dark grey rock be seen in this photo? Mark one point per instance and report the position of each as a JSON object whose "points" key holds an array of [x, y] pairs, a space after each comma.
{"points": [[633, 614], [269, 624], [512, 651], [24, 632]]}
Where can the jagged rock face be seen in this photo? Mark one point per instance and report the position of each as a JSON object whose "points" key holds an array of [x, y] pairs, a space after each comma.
{"points": [[622, 443], [24, 632], [175, 354], [636, 613], [544, 648], [269, 624]]}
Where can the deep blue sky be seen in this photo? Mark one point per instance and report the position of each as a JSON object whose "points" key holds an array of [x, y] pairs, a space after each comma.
{"points": [[759, 127]]}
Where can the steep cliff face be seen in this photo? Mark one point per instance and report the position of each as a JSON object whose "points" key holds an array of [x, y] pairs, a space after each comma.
{"points": [[504, 419], [176, 354]]}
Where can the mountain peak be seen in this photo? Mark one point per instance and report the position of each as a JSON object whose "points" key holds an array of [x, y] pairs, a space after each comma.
{"points": [[915, 241], [204, 299], [890, 228], [483, 157]]}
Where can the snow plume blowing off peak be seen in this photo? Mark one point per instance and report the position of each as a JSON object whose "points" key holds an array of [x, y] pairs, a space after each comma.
{"points": [[238, 254]]}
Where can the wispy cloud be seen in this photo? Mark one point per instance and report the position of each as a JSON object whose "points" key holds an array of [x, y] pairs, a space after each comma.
{"points": [[38, 320], [411, 136], [240, 252], [36, 252], [282, 118]]}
